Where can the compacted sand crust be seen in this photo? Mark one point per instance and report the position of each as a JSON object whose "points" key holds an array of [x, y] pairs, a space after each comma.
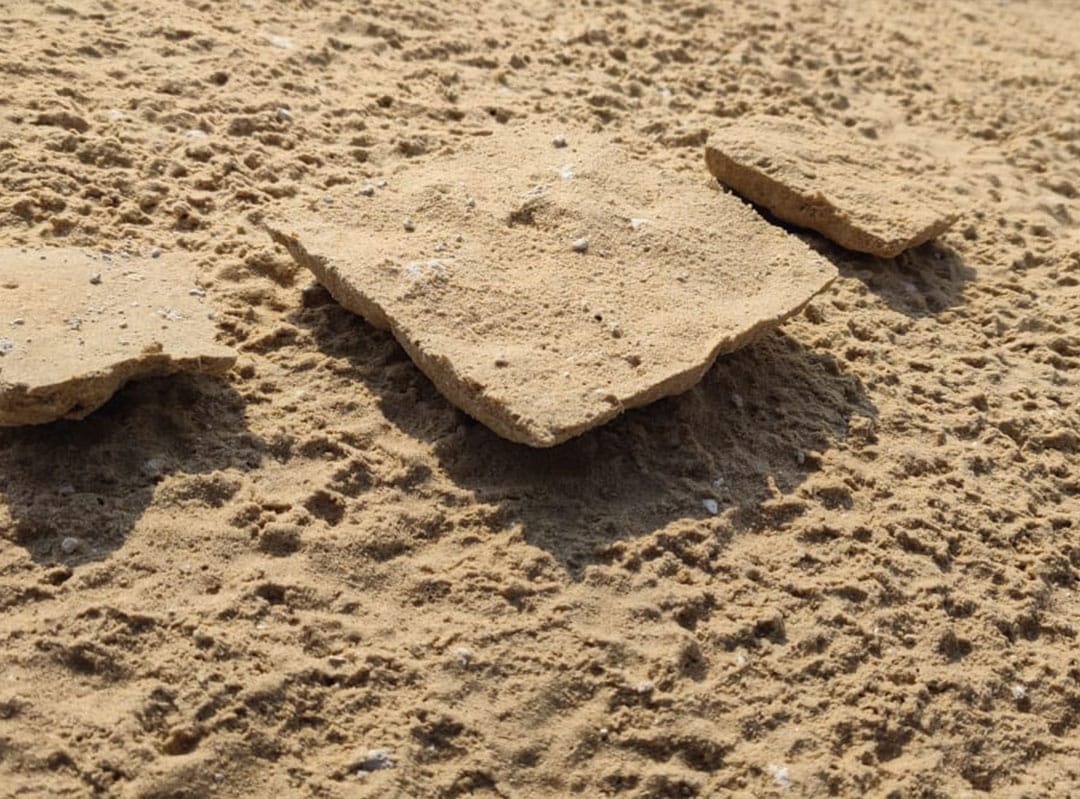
{"points": [[316, 577], [81, 324], [859, 193], [545, 290]]}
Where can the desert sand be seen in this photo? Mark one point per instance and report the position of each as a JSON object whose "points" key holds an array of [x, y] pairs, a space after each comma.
{"points": [[845, 563]]}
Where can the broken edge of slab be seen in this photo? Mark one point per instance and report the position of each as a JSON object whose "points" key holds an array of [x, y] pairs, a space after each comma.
{"points": [[80, 396], [494, 414], [814, 212]]}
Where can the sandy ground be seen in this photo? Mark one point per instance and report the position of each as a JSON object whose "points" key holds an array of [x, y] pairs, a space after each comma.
{"points": [[316, 578]]}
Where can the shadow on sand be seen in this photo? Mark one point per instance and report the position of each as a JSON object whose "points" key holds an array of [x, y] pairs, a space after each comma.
{"points": [[749, 432], [92, 479]]}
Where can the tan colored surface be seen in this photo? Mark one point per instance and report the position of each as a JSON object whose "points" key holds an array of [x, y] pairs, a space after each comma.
{"points": [[319, 556], [78, 325], [473, 263], [863, 195]]}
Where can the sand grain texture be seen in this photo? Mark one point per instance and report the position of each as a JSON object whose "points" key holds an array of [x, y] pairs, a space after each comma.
{"points": [[863, 195], [79, 325], [844, 563], [546, 290]]}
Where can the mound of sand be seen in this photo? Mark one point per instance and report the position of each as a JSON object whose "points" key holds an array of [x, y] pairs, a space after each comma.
{"points": [[546, 289]]}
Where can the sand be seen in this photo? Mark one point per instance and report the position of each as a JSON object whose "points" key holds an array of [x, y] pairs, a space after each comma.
{"points": [[844, 563]]}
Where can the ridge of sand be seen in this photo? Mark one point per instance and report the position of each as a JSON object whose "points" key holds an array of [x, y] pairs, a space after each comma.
{"points": [[545, 290], [78, 325], [866, 197]]}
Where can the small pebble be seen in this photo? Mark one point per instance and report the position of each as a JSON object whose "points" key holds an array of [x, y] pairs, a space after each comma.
{"points": [[410, 226], [780, 775], [18, 322], [337, 661], [69, 545], [558, 142], [153, 468], [66, 490], [376, 760], [711, 505], [6, 346], [581, 245], [367, 190], [155, 253], [95, 279], [197, 293], [283, 114], [1019, 692]]}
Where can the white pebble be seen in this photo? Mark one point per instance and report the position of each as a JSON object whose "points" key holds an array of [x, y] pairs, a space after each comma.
{"points": [[780, 775], [367, 190], [581, 245], [711, 505], [375, 760], [1019, 692], [69, 545], [283, 114]]}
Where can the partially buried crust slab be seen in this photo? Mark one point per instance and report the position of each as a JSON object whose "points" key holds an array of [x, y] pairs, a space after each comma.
{"points": [[545, 290], [862, 195], [76, 325]]}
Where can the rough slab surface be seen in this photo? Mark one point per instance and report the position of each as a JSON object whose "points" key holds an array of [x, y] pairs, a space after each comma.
{"points": [[864, 196], [545, 289], [75, 326]]}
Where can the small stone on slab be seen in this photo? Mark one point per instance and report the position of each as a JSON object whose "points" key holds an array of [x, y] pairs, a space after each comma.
{"points": [[80, 340], [863, 196], [519, 330]]}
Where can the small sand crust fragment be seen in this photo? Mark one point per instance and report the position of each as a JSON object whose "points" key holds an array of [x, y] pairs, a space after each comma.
{"points": [[864, 196], [539, 340], [80, 340]]}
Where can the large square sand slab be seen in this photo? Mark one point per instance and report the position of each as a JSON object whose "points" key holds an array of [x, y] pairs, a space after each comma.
{"points": [[544, 289]]}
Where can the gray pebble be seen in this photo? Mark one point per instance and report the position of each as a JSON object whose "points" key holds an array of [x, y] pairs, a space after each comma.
{"points": [[69, 545], [367, 190], [375, 760], [581, 245], [155, 253], [558, 142]]}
